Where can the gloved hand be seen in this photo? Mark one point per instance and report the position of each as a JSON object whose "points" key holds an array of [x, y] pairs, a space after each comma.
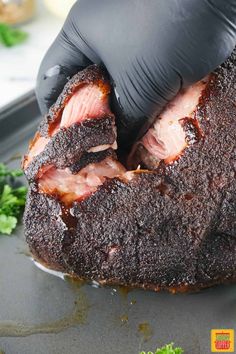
{"points": [[151, 48]]}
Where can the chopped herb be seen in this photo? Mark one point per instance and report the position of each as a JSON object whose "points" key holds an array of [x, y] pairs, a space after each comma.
{"points": [[10, 36], [5, 171], [12, 199], [7, 224], [167, 349]]}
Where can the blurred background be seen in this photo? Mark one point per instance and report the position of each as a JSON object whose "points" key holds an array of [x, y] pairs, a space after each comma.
{"points": [[27, 28]]}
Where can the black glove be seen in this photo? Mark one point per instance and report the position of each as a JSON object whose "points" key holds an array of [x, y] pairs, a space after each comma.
{"points": [[151, 48]]}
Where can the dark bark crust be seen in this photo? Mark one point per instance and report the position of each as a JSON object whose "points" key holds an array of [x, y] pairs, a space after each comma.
{"points": [[69, 144], [91, 157], [174, 228]]}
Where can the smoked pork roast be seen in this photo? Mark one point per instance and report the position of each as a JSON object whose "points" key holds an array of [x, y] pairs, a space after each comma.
{"points": [[163, 219]]}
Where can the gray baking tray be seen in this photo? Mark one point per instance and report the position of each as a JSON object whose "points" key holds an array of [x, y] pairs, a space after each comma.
{"points": [[44, 314]]}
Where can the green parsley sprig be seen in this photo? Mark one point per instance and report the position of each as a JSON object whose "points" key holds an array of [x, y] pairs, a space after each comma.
{"points": [[10, 36], [167, 349], [12, 199]]}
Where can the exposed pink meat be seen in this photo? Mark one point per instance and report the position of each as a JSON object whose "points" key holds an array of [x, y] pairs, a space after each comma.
{"points": [[167, 139], [36, 148], [89, 102], [72, 187]]}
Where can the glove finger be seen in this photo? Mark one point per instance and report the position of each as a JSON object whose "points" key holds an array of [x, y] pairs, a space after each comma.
{"points": [[62, 61]]}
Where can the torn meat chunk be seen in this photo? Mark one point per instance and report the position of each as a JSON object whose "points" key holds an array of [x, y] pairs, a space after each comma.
{"points": [[70, 187], [166, 139], [80, 121]]}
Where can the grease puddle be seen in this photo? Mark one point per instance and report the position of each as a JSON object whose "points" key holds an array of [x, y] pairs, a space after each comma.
{"points": [[77, 316], [145, 330], [124, 319], [126, 305], [124, 291]]}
